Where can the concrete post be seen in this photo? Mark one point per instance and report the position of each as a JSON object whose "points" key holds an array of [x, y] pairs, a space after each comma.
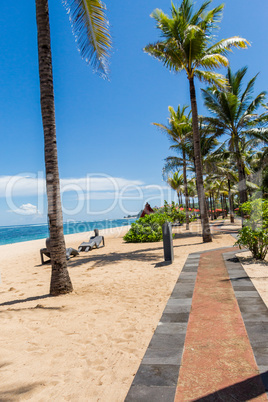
{"points": [[168, 242]]}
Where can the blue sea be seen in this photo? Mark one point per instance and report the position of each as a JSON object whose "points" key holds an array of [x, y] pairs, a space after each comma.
{"points": [[16, 234]]}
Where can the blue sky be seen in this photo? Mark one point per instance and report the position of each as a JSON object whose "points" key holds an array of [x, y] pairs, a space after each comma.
{"points": [[103, 127]]}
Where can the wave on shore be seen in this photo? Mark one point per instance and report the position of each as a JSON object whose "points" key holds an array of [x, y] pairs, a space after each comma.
{"points": [[20, 233]]}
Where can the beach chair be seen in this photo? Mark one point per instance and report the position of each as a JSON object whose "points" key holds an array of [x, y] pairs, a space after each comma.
{"points": [[94, 241], [46, 251]]}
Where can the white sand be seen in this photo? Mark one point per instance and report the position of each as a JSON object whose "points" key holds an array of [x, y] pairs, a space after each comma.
{"points": [[84, 346], [257, 271]]}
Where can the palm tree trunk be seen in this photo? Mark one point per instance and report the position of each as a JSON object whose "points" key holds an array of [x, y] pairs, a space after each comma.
{"points": [[211, 207], [214, 207], [242, 187], [198, 166], [60, 280], [185, 191]]}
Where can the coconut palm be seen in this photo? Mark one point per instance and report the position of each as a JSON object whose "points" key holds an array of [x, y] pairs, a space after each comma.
{"points": [[234, 114], [176, 182], [188, 45], [91, 30], [179, 127]]}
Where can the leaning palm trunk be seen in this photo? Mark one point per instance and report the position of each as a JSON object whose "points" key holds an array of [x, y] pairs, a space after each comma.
{"points": [[198, 167], [60, 280], [186, 191]]}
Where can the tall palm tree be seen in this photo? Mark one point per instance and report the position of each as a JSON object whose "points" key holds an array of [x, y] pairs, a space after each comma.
{"points": [[179, 127], [188, 45], [234, 114], [91, 30]]}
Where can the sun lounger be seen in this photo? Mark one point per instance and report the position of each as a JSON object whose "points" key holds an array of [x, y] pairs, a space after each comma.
{"points": [[46, 251], [94, 241]]}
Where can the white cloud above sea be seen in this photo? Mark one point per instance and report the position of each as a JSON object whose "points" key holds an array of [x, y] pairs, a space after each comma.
{"points": [[32, 185], [27, 209]]}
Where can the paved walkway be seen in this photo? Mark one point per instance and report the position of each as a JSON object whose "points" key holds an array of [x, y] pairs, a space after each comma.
{"points": [[211, 341]]}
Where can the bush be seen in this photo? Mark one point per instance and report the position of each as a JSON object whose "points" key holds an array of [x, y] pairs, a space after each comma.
{"points": [[173, 211], [255, 240], [147, 229], [254, 234]]}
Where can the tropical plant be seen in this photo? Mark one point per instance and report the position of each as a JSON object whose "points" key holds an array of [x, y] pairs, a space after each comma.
{"points": [[173, 211], [176, 182], [91, 30], [234, 114], [179, 127], [188, 45], [147, 229], [254, 233]]}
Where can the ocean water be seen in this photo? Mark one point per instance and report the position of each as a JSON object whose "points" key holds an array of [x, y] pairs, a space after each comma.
{"points": [[16, 234]]}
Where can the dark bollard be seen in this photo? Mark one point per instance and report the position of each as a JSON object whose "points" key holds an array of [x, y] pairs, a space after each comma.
{"points": [[168, 242]]}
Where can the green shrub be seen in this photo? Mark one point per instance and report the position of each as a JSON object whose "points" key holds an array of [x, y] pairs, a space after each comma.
{"points": [[147, 229], [255, 240], [254, 234], [257, 212], [173, 211]]}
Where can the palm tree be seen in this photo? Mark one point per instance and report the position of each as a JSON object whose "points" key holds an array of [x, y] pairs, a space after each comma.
{"points": [[179, 127], [91, 30], [176, 182], [234, 114], [187, 45]]}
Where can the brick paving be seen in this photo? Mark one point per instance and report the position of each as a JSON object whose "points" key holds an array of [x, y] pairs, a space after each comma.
{"points": [[211, 341]]}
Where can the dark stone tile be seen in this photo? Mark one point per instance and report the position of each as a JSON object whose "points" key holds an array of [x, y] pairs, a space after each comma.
{"points": [[157, 375], [242, 280], [235, 273], [258, 316], [251, 301], [252, 308], [264, 377], [190, 269], [247, 294], [241, 288], [159, 356], [261, 355], [186, 281], [173, 309], [139, 393], [167, 341], [257, 328], [180, 293], [175, 317], [184, 286]]}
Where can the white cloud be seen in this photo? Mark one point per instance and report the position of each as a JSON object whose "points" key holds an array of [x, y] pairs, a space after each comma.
{"points": [[31, 185], [27, 209]]}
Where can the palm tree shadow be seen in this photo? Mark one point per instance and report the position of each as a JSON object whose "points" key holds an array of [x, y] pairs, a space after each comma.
{"points": [[245, 390], [15, 394], [148, 254], [17, 301]]}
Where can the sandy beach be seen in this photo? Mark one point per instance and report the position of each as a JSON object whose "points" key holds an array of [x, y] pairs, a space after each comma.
{"points": [[87, 345]]}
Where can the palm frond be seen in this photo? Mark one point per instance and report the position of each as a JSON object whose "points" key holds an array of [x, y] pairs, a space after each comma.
{"points": [[211, 78], [212, 61], [91, 30], [171, 57], [225, 45]]}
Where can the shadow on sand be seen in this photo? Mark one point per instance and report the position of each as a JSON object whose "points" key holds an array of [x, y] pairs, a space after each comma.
{"points": [[17, 301], [15, 394]]}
